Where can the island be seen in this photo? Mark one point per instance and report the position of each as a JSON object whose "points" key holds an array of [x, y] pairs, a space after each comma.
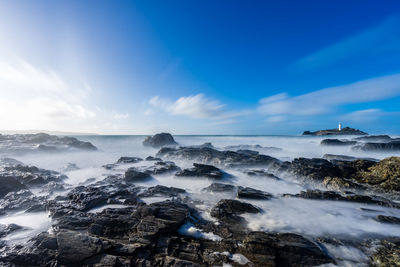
{"points": [[337, 131]]}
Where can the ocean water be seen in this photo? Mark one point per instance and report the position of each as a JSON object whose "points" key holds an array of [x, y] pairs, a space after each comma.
{"points": [[311, 218]]}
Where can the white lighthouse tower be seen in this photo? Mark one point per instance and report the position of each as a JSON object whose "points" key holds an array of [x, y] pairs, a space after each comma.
{"points": [[340, 126]]}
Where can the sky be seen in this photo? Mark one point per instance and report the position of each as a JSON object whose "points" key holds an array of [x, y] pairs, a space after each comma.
{"points": [[199, 67]]}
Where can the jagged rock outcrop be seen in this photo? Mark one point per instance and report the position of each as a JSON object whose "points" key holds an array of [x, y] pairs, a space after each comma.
{"points": [[159, 140]]}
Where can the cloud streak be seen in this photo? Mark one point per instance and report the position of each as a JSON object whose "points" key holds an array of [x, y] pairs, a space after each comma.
{"points": [[328, 100], [195, 106]]}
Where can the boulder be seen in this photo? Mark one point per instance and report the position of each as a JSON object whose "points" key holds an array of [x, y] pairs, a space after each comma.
{"points": [[218, 187], [134, 175], [230, 208], [129, 160], [251, 193], [201, 170], [9, 184], [159, 140]]}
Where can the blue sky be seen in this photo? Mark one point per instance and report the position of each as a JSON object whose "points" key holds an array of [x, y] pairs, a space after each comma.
{"points": [[199, 67]]}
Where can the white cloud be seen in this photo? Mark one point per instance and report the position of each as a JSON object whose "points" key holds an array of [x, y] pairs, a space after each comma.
{"points": [[195, 106], [367, 115], [328, 100], [120, 116], [34, 98]]}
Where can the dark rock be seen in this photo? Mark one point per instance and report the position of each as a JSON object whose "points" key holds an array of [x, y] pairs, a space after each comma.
{"points": [[151, 158], [159, 140], [9, 184], [218, 187], [316, 169], [384, 175], [228, 209], [344, 131], [261, 173], [387, 254], [251, 193], [337, 142], [129, 160], [162, 167], [8, 229], [379, 147], [374, 138], [87, 198], [388, 219], [331, 157], [331, 195], [134, 175], [160, 190], [74, 247], [248, 152], [211, 156], [202, 170], [285, 249]]}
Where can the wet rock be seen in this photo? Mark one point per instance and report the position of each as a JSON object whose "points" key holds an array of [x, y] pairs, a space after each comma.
{"points": [[128, 160], [74, 247], [248, 152], [228, 209], [374, 138], [109, 166], [164, 191], [316, 169], [331, 157], [151, 158], [29, 143], [388, 253], [285, 249], [379, 147], [261, 173], [337, 142], [385, 175], [84, 199], [211, 156], [388, 219], [256, 148], [114, 223], [339, 184], [218, 187], [202, 170], [8, 229], [21, 200], [9, 184], [331, 195], [159, 140], [32, 176], [251, 193], [134, 175], [162, 167]]}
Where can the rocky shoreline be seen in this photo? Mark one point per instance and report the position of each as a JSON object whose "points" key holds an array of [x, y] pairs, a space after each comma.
{"points": [[110, 222]]}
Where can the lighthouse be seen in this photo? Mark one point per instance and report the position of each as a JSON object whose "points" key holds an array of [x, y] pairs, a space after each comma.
{"points": [[340, 126]]}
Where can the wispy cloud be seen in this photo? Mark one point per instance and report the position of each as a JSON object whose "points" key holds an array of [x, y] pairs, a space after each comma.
{"points": [[367, 115], [329, 99], [195, 106], [381, 37], [37, 98]]}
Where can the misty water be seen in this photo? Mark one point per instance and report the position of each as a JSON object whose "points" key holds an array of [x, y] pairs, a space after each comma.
{"points": [[310, 218]]}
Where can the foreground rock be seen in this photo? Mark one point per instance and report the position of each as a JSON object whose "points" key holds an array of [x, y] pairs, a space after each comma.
{"points": [[159, 140], [229, 209], [344, 131], [202, 170], [41, 142], [384, 175], [208, 155], [251, 193]]}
